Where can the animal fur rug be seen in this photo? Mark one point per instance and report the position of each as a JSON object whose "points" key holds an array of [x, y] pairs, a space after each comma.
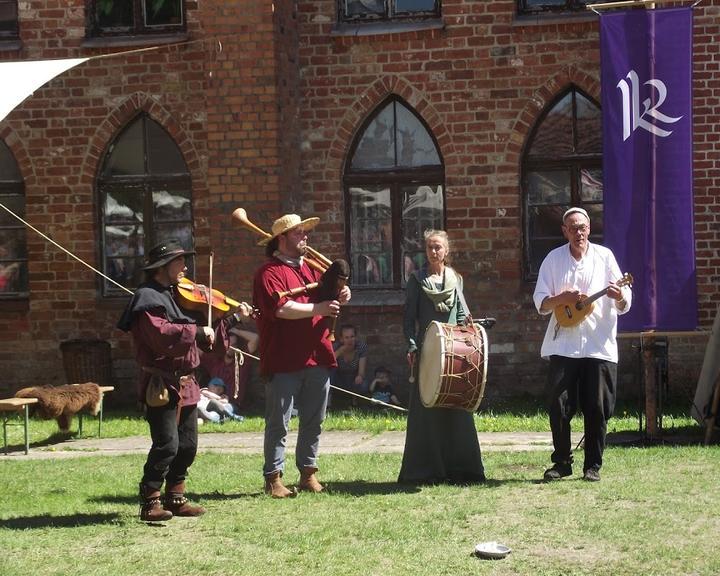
{"points": [[63, 402]]}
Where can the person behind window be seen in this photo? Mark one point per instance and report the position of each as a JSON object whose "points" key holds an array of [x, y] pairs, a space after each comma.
{"points": [[441, 444], [351, 355], [381, 387], [296, 355], [583, 358]]}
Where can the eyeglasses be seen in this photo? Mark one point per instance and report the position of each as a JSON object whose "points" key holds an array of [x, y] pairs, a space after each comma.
{"points": [[578, 228]]}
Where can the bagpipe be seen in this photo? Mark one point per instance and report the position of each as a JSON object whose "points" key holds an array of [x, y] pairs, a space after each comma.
{"points": [[335, 273]]}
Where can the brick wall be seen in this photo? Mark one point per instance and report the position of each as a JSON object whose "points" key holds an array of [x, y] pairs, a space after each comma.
{"points": [[481, 83], [265, 110]]}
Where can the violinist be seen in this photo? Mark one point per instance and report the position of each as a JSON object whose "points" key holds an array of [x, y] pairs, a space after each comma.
{"points": [[168, 340]]}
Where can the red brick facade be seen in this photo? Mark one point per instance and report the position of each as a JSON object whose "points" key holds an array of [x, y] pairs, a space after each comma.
{"points": [[265, 111]]}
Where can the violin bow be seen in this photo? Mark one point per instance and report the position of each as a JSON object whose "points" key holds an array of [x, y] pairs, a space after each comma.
{"points": [[209, 295]]}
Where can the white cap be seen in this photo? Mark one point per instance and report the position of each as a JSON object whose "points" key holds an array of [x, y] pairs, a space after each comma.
{"points": [[573, 211]]}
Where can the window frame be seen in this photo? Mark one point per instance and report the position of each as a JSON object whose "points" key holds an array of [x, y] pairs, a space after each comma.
{"points": [[145, 184], [572, 164], [138, 27], [395, 179], [15, 188], [389, 15], [15, 33]]}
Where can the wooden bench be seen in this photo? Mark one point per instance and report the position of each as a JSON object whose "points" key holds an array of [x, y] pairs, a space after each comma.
{"points": [[8, 406], [103, 390]]}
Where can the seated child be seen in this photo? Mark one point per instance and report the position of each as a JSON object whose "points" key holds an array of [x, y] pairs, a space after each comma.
{"points": [[227, 368], [214, 405], [381, 387]]}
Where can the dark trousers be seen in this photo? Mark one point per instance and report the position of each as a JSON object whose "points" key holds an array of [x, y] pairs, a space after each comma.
{"points": [[588, 384], [174, 445]]}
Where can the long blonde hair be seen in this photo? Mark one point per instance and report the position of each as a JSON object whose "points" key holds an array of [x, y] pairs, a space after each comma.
{"points": [[445, 239]]}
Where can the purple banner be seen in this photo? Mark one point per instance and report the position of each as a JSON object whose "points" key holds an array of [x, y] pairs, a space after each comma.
{"points": [[646, 79]]}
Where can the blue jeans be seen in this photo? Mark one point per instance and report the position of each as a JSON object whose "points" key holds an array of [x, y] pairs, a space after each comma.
{"points": [[307, 391]]}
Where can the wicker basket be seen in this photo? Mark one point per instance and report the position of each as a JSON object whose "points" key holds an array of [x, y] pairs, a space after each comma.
{"points": [[87, 361]]}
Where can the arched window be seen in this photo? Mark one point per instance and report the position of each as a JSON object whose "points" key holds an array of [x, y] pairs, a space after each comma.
{"points": [[13, 246], [394, 191], [145, 197], [562, 167]]}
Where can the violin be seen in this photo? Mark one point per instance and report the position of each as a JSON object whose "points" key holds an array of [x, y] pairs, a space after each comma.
{"points": [[194, 296]]}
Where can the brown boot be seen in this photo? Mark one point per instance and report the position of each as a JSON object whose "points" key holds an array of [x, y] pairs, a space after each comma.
{"points": [[308, 481], [176, 502], [275, 488], [151, 509]]}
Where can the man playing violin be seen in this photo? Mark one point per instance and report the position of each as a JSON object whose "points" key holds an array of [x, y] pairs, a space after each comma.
{"points": [[583, 358], [168, 340], [296, 353]]}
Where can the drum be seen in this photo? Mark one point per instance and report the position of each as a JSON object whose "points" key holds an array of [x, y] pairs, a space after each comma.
{"points": [[453, 366]]}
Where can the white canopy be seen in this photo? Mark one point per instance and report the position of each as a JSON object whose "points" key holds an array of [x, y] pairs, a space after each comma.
{"points": [[21, 79]]}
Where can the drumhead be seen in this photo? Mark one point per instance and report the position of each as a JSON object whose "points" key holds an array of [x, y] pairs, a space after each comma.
{"points": [[432, 359]]}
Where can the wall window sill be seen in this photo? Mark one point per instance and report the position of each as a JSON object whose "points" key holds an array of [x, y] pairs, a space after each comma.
{"points": [[136, 40], [368, 298], [385, 27], [551, 19], [11, 305], [10, 45]]}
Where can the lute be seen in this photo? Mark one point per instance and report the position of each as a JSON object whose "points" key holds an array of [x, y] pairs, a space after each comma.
{"points": [[569, 316]]}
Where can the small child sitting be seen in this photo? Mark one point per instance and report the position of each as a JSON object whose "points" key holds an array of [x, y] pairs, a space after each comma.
{"points": [[214, 405], [381, 387]]}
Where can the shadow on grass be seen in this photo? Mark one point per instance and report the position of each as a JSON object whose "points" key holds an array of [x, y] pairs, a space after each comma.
{"points": [[69, 521], [192, 496], [52, 440], [678, 436]]}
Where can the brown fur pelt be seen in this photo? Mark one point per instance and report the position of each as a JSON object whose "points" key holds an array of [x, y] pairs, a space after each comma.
{"points": [[63, 402]]}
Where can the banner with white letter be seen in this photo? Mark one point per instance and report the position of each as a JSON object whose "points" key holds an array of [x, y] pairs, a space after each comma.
{"points": [[646, 78]]}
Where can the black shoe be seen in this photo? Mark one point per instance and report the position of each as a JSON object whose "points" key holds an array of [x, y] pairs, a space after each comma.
{"points": [[557, 471], [592, 475]]}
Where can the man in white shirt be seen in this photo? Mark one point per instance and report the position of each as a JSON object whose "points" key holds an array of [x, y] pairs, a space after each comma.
{"points": [[583, 356]]}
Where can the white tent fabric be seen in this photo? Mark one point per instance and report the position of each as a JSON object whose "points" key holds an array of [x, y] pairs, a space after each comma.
{"points": [[21, 79]]}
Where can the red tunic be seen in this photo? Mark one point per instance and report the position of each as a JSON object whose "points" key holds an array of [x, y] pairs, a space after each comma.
{"points": [[288, 345]]}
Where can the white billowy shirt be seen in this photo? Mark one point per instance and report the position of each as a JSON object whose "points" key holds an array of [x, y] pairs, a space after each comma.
{"points": [[596, 335]]}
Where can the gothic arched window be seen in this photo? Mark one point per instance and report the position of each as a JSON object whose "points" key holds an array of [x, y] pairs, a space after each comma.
{"points": [[562, 167], [13, 243], [394, 191], [145, 196]]}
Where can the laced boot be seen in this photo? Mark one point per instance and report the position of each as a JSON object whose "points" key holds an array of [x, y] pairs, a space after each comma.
{"points": [[151, 508], [176, 502], [308, 480], [275, 488]]}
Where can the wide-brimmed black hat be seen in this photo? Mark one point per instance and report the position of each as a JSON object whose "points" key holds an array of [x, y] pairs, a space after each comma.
{"points": [[164, 253]]}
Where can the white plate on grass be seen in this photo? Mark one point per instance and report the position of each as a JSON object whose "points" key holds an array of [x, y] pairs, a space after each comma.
{"points": [[492, 550]]}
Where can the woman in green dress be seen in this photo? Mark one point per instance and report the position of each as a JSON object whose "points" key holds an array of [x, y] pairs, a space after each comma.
{"points": [[441, 444]]}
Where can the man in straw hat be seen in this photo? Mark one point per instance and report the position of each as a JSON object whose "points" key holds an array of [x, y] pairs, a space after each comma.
{"points": [[296, 354], [583, 358], [167, 341]]}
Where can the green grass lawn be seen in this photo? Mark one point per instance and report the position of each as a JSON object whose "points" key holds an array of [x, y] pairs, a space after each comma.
{"points": [[653, 513], [521, 416]]}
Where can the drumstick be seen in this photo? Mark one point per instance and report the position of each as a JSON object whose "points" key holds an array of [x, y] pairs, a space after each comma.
{"points": [[411, 379]]}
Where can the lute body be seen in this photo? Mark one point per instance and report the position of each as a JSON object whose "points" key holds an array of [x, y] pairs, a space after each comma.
{"points": [[569, 316]]}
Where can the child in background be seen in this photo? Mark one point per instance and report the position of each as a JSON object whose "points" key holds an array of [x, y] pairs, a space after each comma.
{"points": [[214, 405], [381, 387]]}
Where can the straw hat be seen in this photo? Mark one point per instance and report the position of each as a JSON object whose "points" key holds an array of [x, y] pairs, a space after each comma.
{"points": [[288, 222], [164, 253]]}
